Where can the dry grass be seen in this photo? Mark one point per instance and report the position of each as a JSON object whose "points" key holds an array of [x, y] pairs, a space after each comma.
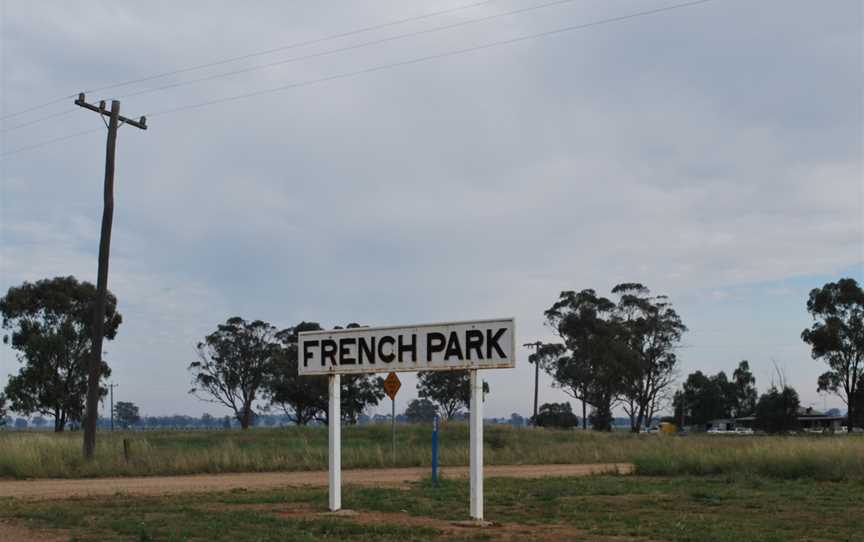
{"points": [[787, 457], [41, 455]]}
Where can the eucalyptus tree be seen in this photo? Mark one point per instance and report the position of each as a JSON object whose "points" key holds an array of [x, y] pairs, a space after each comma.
{"points": [[302, 398], [358, 392], [703, 398], [2, 410], [449, 390], [127, 414], [777, 410], [858, 419], [51, 324], [653, 331], [421, 410], [837, 337], [235, 364], [557, 415], [745, 390], [589, 364]]}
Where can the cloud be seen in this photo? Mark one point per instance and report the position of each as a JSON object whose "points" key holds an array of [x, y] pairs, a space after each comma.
{"points": [[698, 151]]}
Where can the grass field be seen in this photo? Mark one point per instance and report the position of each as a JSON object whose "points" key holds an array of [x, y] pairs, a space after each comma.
{"points": [[694, 488], [597, 508], [40, 455]]}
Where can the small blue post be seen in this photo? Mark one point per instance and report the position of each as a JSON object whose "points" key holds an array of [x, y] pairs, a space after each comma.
{"points": [[435, 450]]}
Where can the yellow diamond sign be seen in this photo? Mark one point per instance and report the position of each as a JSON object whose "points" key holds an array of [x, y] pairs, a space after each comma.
{"points": [[392, 385]]}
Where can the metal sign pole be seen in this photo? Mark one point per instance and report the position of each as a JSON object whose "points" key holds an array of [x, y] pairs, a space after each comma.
{"points": [[435, 450], [334, 428], [476, 451], [391, 387]]}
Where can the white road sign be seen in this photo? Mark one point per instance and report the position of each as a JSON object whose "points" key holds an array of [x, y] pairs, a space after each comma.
{"points": [[480, 344]]}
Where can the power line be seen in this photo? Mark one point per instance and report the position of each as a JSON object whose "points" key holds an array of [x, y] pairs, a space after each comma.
{"points": [[35, 121], [255, 54], [348, 48], [307, 57], [310, 56], [40, 106], [382, 67], [294, 45], [48, 142], [446, 54]]}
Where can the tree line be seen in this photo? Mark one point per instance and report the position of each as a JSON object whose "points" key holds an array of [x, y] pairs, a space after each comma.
{"points": [[703, 398], [613, 352], [245, 363], [128, 416], [248, 367], [622, 352], [617, 351]]}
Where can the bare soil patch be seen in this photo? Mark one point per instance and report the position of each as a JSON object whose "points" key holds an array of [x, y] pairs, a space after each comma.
{"points": [[49, 489], [15, 532]]}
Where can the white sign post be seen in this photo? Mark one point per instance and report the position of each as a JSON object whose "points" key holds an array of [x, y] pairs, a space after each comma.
{"points": [[334, 441], [476, 451], [480, 344]]}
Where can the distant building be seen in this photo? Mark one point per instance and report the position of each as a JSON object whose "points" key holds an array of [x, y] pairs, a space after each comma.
{"points": [[814, 421], [725, 424], [809, 420]]}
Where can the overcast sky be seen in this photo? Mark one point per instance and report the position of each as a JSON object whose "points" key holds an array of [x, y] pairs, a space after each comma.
{"points": [[712, 153]]}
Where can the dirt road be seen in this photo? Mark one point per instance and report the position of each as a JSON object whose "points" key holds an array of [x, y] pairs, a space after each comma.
{"points": [[167, 485]]}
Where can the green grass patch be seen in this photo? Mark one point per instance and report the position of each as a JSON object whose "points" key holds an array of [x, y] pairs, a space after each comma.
{"points": [[182, 519], [703, 509]]}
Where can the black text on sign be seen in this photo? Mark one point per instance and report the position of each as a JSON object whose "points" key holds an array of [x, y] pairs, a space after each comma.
{"points": [[457, 345]]}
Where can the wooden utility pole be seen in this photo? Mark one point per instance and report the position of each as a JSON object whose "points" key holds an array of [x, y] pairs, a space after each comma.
{"points": [[95, 362], [536, 346], [111, 386]]}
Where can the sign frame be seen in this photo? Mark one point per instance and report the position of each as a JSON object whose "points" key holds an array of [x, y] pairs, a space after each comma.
{"points": [[476, 405]]}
